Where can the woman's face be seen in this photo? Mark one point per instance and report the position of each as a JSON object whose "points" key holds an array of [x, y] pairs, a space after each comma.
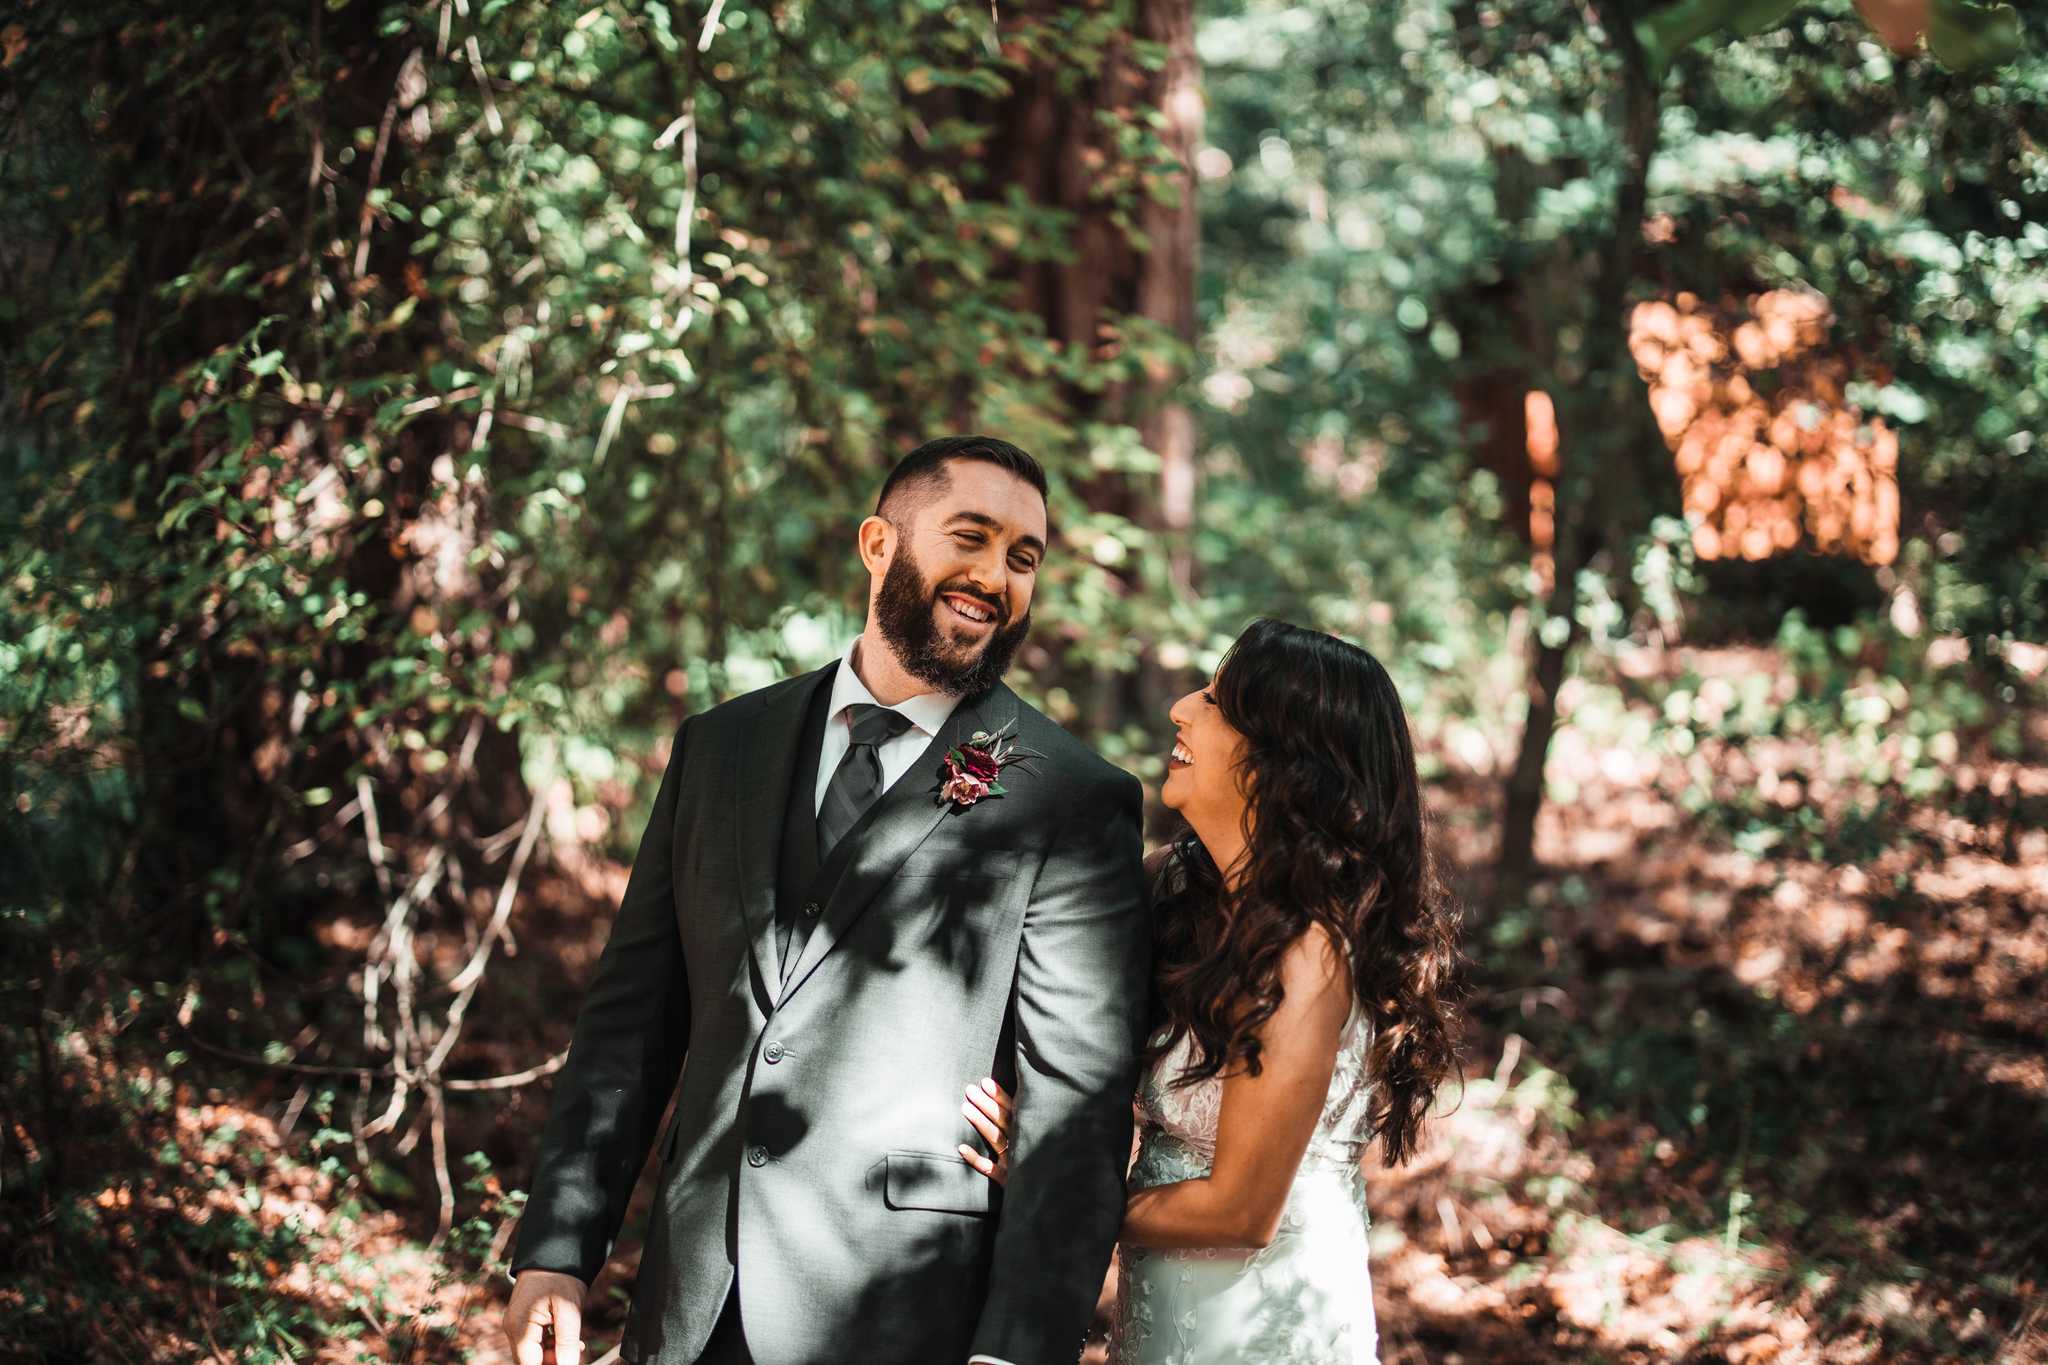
{"points": [[1201, 773]]}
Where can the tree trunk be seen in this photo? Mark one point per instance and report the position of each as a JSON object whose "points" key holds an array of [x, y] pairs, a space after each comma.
{"points": [[1053, 140], [1598, 481], [212, 786]]}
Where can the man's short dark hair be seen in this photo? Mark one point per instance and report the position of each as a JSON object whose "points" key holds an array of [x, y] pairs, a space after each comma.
{"points": [[927, 464]]}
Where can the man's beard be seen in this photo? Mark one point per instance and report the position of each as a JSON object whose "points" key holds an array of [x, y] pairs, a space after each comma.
{"points": [[907, 612]]}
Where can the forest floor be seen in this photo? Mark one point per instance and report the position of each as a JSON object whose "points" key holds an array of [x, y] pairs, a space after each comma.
{"points": [[1724, 1107], [1718, 1107]]}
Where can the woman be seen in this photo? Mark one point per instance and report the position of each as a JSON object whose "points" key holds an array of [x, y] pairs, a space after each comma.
{"points": [[1304, 956]]}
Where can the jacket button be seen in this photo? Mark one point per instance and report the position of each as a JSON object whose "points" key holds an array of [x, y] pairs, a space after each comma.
{"points": [[811, 909], [757, 1155], [773, 1052]]}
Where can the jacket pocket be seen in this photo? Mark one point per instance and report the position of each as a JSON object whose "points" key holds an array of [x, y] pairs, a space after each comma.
{"points": [[942, 1184]]}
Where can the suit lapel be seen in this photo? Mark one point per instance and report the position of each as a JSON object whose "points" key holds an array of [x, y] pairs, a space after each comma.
{"points": [[902, 819], [763, 765]]}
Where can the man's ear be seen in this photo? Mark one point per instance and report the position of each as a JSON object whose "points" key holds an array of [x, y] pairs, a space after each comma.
{"points": [[877, 540]]}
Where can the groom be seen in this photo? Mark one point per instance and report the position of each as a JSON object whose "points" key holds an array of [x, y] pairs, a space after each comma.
{"points": [[837, 938]]}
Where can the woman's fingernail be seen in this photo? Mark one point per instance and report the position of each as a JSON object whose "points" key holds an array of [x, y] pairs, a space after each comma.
{"points": [[988, 1083]]}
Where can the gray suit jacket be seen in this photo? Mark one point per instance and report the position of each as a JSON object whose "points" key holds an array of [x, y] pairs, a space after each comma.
{"points": [[812, 1149]]}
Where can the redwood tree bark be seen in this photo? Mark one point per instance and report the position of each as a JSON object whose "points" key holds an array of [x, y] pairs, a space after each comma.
{"points": [[1054, 139]]}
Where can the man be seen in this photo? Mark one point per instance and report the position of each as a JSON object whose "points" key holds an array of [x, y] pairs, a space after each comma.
{"points": [[839, 929]]}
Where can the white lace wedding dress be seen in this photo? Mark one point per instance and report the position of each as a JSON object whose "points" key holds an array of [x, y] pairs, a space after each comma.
{"points": [[1305, 1299]]}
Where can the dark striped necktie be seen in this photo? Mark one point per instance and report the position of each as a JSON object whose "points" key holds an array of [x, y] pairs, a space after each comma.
{"points": [[857, 781]]}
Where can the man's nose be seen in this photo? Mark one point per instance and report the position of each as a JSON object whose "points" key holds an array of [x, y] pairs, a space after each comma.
{"points": [[988, 573]]}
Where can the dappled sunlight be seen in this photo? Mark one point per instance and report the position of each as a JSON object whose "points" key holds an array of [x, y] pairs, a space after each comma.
{"points": [[1735, 1098], [1769, 450], [416, 412], [1770, 453], [1539, 421], [1784, 1088], [245, 1202], [1484, 1249]]}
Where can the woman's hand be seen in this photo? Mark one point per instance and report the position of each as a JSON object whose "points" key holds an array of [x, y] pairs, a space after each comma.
{"points": [[987, 1107]]}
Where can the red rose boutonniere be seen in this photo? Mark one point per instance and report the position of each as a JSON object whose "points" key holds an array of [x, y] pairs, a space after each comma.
{"points": [[973, 770]]}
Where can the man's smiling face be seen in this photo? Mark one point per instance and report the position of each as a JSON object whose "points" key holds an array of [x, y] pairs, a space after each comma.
{"points": [[954, 601]]}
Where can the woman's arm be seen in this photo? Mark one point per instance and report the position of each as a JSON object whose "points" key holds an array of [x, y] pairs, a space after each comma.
{"points": [[1266, 1121], [1261, 1133]]}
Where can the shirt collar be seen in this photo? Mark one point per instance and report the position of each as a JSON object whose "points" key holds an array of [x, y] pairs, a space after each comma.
{"points": [[927, 710]]}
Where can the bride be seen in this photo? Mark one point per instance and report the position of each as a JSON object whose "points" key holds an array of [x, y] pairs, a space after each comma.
{"points": [[1304, 952]]}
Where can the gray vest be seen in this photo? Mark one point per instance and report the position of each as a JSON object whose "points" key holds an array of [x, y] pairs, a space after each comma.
{"points": [[802, 883], [799, 891]]}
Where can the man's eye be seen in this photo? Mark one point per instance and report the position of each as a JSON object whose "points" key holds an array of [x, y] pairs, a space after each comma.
{"points": [[968, 537], [1024, 564]]}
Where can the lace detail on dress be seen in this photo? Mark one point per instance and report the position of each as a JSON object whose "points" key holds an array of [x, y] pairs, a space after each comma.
{"points": [[1189, 1113], [1305, 1299]]}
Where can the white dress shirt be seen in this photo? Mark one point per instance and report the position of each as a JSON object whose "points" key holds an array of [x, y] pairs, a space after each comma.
{"points": [[926, 712]]}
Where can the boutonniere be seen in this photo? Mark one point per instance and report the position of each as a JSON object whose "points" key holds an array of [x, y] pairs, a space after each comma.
{"points": [[973, 770]]}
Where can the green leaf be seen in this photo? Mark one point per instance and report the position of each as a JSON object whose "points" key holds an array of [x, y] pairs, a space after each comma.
{"points": [[1754, 16], [241, 425], [165, 403], [1969, 37], [1668, 31], [174, 516]]}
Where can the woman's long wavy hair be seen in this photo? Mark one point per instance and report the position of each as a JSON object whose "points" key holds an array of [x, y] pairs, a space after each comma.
{"points": [[1335, 835]]}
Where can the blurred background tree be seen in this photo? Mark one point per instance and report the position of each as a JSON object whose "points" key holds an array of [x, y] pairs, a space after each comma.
{"points": [[1475, 206], [411, 409]]}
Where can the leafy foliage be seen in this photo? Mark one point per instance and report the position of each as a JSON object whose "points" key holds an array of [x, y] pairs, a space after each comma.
{"points": [[407, 409]]}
